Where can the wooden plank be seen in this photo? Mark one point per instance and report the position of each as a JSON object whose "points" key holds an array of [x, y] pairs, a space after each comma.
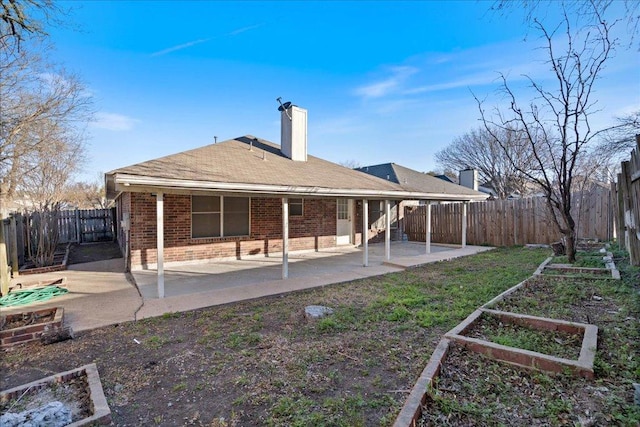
{"points": [[511, 222]]}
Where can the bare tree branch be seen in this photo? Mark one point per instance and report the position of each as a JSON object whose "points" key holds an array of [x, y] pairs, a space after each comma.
{"points": [[482, 150], [556, 124]]}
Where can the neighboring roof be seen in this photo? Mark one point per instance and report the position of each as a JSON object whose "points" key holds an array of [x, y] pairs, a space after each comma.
{"points": [[250, 165], [444, 178], [414, 181]]}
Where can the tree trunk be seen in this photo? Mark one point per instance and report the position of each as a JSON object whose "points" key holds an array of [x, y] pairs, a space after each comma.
{"points": [[570, 245]]}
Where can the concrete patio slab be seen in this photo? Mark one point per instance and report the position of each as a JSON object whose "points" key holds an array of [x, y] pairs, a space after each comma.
{"points": [[221, 282], [99, 294]]}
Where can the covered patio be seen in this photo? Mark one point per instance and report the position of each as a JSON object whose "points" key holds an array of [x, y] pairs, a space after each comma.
{"points": [[197, 285]]}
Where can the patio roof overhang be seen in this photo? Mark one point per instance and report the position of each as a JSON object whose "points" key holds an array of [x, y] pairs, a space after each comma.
{"points": [[118, 183]]}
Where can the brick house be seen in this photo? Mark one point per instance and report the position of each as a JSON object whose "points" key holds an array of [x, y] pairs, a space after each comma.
{"points": [[246, 196]]}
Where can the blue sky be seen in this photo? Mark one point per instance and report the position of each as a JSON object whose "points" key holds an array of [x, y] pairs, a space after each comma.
{"points": [[382, 81]]}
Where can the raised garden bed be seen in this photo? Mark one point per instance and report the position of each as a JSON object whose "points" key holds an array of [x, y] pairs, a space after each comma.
{"points": [[547, 331], [434, 402], [511, 332], [472, 390], [80, 390], [423, 406], [28, 326], [592, 264], [60, 259], [561, 298]]}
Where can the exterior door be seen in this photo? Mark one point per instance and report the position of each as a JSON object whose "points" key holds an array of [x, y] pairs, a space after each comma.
{"points": [[344, 221]]}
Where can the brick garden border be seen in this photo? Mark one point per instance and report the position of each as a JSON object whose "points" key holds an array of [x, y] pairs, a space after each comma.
{"points": [[101, 412], [610, 271], [51, 268], [27, 333], [583, 366], [412, 408]]}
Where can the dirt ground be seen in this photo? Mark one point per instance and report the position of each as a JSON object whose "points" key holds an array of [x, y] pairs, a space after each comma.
{"points": [[473, 390], [89, 252], [262, 362]]}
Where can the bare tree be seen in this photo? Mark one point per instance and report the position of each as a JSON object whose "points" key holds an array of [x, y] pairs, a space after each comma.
{"points": [[480, 149], [615, 144], [87, 195], [589, 12], [556, 122], [42, 106], [43, 113], [51, 167], [24, 18]]}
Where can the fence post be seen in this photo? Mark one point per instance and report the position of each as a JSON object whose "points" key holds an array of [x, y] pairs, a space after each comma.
{"points": [[427, 226], [4, 265], [20, 237], [14, 246], [78, 228], [464, 224]]}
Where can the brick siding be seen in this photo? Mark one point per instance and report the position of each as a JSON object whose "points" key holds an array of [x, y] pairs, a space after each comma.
{"points": [[316, 229]]}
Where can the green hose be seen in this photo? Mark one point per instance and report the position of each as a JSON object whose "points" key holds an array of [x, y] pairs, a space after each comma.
{"points": [[28, 296]]}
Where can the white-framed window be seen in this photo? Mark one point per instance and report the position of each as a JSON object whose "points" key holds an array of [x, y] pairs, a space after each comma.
{"points": [[219, 216], [343, 208], [296, 207]]}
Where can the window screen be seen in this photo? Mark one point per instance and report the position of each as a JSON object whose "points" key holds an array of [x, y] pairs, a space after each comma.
{"points": [[295, 207], [236, 216], [215, 216]]}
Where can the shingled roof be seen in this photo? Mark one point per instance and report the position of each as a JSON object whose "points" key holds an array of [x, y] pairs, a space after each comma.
{"points": [[252, 165], [413, 181]]}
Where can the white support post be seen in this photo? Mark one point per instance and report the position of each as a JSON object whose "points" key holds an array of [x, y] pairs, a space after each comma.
{"points": [[387, 230], [365, 232], [160, 242], [464, 224], [428, 227], [285, 238]]}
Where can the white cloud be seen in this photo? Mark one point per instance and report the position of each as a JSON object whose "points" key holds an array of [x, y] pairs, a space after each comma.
{"points": [[113, 121], [243, 29], [465, 81], [384, 87], [199, 41], [179, 47]]}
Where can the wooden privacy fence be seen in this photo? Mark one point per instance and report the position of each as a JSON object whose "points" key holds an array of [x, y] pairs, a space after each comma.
{"points": [[629, 204], [74, 226], [86, 226], [511, 222], [14, 238]]}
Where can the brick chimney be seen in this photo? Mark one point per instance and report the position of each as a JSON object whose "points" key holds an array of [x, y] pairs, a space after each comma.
{"points": [[293, 133]]}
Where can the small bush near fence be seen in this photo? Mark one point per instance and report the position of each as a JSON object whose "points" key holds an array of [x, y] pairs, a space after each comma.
{"points": [[42, 236], [36, 235]]}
